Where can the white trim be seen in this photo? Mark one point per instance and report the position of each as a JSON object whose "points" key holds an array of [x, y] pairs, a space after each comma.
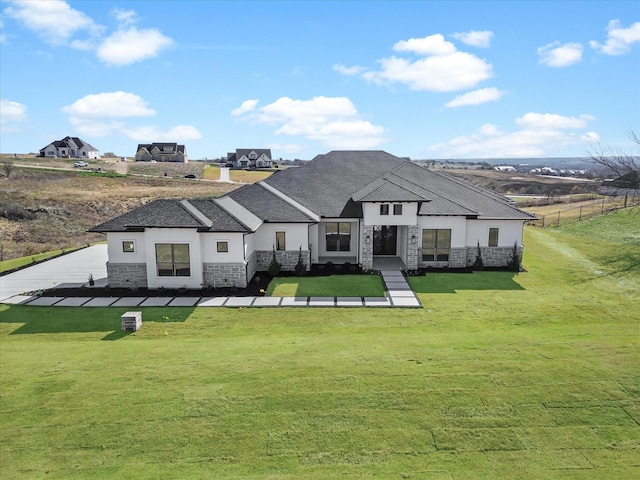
{"points": [[289, 200], [238, 211]]}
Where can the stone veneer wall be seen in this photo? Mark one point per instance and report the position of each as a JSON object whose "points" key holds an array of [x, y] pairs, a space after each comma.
{"points": [[457, 259], [224, 275], [287, 258], [127, 275], [491, 256], [413, 247], [367, 248]]}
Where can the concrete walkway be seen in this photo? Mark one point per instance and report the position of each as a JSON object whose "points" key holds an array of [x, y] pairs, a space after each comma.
{"points": [[72, 271]]}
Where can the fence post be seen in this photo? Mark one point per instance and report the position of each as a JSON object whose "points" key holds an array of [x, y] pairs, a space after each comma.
{"points": [[602, 204], [580, 216], [558, 222], [543, 221]]}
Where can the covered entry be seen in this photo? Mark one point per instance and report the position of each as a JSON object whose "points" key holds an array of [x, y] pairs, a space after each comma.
{"points": [[385, 240]]}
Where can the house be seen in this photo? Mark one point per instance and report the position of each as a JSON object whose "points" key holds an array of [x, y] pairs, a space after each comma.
{"points": [[161, 152], [69, 147], [624, 186], [250, 157], [343, 206]]}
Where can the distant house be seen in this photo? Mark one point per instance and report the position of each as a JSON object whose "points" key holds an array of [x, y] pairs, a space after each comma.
{"points": [[161, 152], [250, 157], [505, 168], [360, 207], [69, 147]]}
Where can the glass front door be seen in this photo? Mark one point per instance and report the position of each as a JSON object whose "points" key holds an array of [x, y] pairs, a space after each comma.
{"points": [[384, 239]]}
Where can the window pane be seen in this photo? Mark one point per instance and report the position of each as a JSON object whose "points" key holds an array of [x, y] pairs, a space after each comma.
{"points": [[428, 254], [165, 269], [332, 228], [127, 246], [332, 243], [163, 252], [428, 238], [223, 247], [183, 270], [397, 209], [444, 238], [280, 241], [493, 237], [345, 228], [181, 253], [384, 209]]}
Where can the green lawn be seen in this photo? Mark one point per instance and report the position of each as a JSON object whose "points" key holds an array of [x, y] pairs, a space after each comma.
{"points": [[528, 376], [14, 263], [329, 286]]}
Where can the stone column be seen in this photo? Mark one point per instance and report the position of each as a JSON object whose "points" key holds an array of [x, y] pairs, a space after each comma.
{"points": [[367, 248], [413, 247]]}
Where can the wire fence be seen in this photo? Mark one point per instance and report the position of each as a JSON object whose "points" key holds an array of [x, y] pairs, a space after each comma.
{"points": [[556, 215]]}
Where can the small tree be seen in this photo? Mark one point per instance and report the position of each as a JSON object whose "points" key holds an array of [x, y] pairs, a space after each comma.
{"points": [[618, 161], [515, 258], [274, 266], [300, 267], [478, 264], [7, 168]]}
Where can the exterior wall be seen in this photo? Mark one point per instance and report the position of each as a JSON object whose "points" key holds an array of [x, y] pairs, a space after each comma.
{"points": [[287, 258], [224, 275], [116, 253], [371, 212], [209, 247], [127, 275], [492, 256], [314, 242], [322, 235], [296, 236], [413, 248], [366, 258], [458, 251], [173, 235], [509, 232]]}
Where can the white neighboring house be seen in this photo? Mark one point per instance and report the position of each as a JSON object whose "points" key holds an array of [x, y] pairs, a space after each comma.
{"points": [[69, 147], [250, 157], [344, 206]]}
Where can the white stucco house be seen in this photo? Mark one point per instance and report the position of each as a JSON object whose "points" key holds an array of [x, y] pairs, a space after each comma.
{"points": [[69, 147], [343, 206]]}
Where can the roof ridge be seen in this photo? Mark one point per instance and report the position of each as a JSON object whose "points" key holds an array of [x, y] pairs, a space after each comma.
{"points": [[195, 212]]}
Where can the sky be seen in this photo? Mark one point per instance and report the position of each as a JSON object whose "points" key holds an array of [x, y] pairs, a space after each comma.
{"points": [[418, 79]]}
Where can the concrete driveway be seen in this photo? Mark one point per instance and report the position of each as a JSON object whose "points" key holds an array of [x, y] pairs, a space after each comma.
{"points": [[72, 269]]}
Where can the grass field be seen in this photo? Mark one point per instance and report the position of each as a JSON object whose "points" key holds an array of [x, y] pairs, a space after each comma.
{"points": [[237, 175], [528, 376], [330, 286]]}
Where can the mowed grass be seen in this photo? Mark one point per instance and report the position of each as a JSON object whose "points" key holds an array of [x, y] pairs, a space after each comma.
{"points": [[329, 286], [212, 172], [528, 376]]}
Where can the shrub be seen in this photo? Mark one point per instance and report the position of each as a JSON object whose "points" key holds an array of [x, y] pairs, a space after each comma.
{"points": [[274, 266], [478, 264], [300, 268], [514, 259], [15, 212]]}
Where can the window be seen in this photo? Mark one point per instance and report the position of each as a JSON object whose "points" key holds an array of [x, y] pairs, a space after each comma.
{"points": [[280, 241], [436, 245], [384, 209], [397, 209], [172, 260], [128, 246], [338, 237], [222, 247], [493, 237]]}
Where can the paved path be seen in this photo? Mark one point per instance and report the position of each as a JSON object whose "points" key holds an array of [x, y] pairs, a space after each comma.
{"points": [[72, 270]]}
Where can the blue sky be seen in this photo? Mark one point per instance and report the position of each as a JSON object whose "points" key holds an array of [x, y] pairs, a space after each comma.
{"points": [[419, 79]]}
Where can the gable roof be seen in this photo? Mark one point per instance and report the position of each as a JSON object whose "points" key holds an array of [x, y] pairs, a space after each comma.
{"points": [[268, 206], [72, 143]]}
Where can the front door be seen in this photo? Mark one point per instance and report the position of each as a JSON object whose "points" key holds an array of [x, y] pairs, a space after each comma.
{"points": [[384, 239]]}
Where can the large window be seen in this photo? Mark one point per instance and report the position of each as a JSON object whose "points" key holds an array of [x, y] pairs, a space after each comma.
{"points": [[280, 241], [338, 237], [436, 244], [493, 237], [172, 260]]}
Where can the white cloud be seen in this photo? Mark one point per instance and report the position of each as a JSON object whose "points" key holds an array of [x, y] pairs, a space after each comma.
{"points": [[619, 39], [109, 113], [125, 17], [557, 55], [110, 105], [442, 69], [537, 121], [431, 45], [539, 135], [246, 107], [125, 47], [476, 97], [355, 70], [53, 20], [11, 115], [333, 121], [475, 38]]}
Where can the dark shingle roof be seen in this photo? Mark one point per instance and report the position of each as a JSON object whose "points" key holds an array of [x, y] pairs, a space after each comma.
{"points": [[173, 214], [267, 206]]}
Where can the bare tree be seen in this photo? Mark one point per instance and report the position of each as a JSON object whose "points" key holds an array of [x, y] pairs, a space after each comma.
{"points": [[7, 168], [617, 160]]}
